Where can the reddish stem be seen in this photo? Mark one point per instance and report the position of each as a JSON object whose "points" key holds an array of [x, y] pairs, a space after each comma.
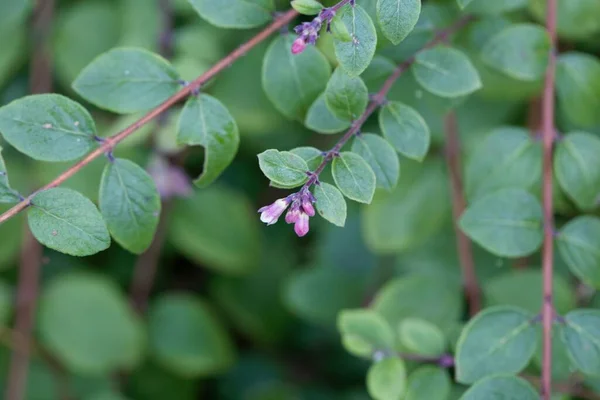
{"points": [[464, 245], [109, 143], [548, 133]]}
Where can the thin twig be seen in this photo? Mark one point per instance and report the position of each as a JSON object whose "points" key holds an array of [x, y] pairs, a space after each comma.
{"points": [[548, 133], [31, 250], [380, 97], [109, 143], [464, 245]]}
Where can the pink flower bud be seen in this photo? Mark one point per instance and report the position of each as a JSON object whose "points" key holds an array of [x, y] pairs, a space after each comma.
{"points": [[301, 226], [271, 213], [308, 208], [298, 46], [292, 215]]}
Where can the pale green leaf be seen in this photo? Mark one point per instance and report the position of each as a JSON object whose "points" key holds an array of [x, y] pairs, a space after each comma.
{"points": [[421, 337], [7, 194], [578, 87], [507, 386], [405, 129], [397, 18], [581, 336], [380, 156], [355, 56], [330, 203], [346, 96], [48, 127], [368, 328], [206, 122], [386, 379], [130, 204], [428, 382], [66, 221], [578, 243], [127, 80], [354, 177], [320, 119], [283, 167], [237, 14]]}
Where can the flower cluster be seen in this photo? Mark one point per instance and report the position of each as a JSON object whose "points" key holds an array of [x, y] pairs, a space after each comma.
{"points": [[308, 32], [300, 211]]}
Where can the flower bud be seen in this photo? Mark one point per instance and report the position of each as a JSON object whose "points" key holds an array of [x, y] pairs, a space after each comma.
{"points": [[308, 207], [292, 215], [298, 46], [301, 227], [271, 213]]}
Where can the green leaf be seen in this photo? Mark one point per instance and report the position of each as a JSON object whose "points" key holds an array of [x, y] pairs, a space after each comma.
{"points": [[421, 337], [206, 122], [307, 7], [386, 379], [508, 387], [346, 96], [581, 336], [521, 51], [311, 155], [578, 87], [236, 14], [356, 55], [85, 321], [498, 340], [406, 130], [130, 204], [579, 246], [320, 119], [293, 82], [14, 11], [217, 228], [127, 80], [428, 382], [354, 177], [577, 168], [283, 167], [523, 289], [64, 134], [397, 18], [414, 211], [507, 222], [186, 338], [446, 72], [507, 157], [420, 296], [330, 203], [66, 221], [576, 18], [367, 328], [485, 7], [7, 194], [380, 156], [339, 30]]}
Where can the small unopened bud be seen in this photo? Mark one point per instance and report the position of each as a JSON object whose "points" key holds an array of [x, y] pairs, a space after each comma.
{"points": [[298, 46], [292, 215], [308, 207], [301, 227]]}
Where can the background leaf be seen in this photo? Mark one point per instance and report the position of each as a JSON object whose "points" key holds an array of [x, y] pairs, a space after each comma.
{"points": [[498, 340], [511, 387], [507, 222], [428, 382], [130, 204], [421, 337], [577, 86], [127, 80], [64, 220], [386, 379], [581, 335], [320, 119], [7, 194], [64, 134], [238, 14], [365, 332], [578, 243]]}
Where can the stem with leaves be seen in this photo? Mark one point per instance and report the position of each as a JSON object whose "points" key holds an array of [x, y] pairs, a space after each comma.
{"points": [[548, 135], [378, 99], [464, 245], [109, 143]]}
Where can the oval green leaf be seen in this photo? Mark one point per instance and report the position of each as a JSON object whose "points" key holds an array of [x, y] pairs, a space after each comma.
{"points": [[354, 177], [186, 337], [330, 203], [346, 96], [355, 55], [206, 122], [237, 14], [283, 167], [507, 223], [397, 18], [581, 336], [7, 194], [380, 156], [66, 221], [369, 329], [130, 204], [293, 82], [127, 80], [579, 246], [48, 127], [510, 387], [386, 379], [446, 72], [578, 88], [320, 119], [428, 382], [405, 129], [498, 340], [421, 337]]}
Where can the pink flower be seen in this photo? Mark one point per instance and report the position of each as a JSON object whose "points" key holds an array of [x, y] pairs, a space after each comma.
{"points": [[292, 215], [298, 46], [301, 226], [271, 213]]}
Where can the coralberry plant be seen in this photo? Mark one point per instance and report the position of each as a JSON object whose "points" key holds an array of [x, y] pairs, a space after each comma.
{"points": [[430, 155]]}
